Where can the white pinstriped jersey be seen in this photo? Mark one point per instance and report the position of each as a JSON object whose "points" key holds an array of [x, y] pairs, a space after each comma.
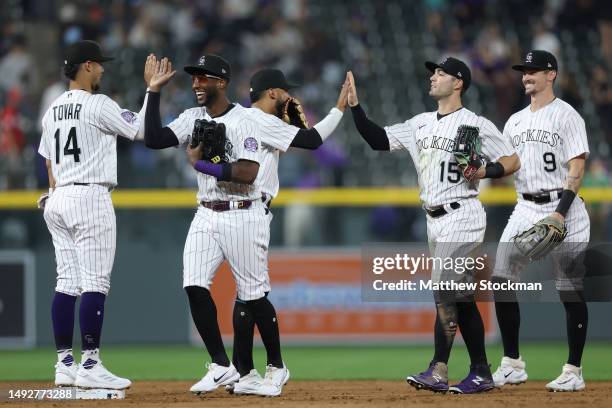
{"points": [[545, 141], [276, 137], [244, 137], [430, 142], [80, 137]]}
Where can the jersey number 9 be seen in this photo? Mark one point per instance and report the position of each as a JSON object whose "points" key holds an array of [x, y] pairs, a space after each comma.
{"points": [[550, 164]]}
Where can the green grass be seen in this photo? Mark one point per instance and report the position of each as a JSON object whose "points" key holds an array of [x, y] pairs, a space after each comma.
{"points": [[544, 361]]}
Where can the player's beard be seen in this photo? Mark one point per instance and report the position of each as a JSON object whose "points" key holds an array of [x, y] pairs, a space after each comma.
{"points": [[212, 94], [280, 107]]}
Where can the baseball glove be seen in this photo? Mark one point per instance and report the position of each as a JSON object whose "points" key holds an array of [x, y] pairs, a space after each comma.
{"points": [[293, 114], [217, 148], [542, 238], [467, 150]]}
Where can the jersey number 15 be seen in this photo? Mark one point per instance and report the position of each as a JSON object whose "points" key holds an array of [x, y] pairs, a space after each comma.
{"points": [[68, 151], [452, 172]]}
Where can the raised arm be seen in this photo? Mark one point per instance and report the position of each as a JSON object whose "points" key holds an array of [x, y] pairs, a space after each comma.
{"points": [[158, 73], [372, 133]]}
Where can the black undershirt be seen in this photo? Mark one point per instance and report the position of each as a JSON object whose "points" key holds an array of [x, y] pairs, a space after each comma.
{"points": [[372, 133], [440, 116]]}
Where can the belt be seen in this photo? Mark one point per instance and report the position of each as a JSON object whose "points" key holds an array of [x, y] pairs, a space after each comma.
{"points": [[543, 198], [110, 188], [439, 211], [221, 206]]}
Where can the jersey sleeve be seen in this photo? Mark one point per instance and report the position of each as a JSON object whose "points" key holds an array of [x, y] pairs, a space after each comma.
{"points": [[574, 138], [182, 127], [400, 135], [248, 146], [117, 121], [44, 149], [495, 144], [274, 132]]}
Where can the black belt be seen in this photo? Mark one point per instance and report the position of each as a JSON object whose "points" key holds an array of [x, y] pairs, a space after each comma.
{"points": [[91, 184], [542, 198], [439, 211], [221, 206]]}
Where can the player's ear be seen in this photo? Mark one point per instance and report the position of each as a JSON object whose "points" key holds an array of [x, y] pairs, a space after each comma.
{"points": [[272, 94]]}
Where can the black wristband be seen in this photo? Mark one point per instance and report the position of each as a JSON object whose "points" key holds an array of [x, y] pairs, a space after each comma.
{"points": [[567, 198], [226, 172], [494, 170]]}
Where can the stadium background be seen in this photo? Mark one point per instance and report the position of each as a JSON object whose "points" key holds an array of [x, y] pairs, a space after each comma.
{"points": [[332, 200]]}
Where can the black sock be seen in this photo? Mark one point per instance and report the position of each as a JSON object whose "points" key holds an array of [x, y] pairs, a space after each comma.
{"points": [[445, 329], [265, 318], [577, 319], [244, 329], [472, 330], [204, 314], [509, 319]]}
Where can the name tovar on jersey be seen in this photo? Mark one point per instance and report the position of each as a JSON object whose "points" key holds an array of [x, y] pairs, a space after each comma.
{"points": [[545, 141], [80, 137]]}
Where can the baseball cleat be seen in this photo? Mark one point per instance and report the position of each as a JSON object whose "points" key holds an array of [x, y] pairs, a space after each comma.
{"points": [[272, 384], [569, 380], [510, 371], [478, 380], [216, 376], [92, 374], [248, 384], [434, 379], [65, 374]]}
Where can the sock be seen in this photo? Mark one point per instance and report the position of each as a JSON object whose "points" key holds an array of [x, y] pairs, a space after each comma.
{"points": [[65, 357], [204, 314], [265, 318], [89, 358], [445, 329], [577, 319], [244, 329], [472, 330], [91, 316], [62, 316], [509, 319]]}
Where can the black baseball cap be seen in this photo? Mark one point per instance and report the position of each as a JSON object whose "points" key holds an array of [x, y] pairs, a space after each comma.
{"points": [[537, 60], [211, 64], [454, 67], [270, 78], [83, 51]]}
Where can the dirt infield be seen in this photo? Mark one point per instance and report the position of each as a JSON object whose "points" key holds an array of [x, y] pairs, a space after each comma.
{"points": [[337, 394]]}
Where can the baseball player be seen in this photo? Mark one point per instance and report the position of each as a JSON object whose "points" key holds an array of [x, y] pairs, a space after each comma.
{"points": [[79, 143], [269, 93], [551, 141], [233, 219], [455, 217]]}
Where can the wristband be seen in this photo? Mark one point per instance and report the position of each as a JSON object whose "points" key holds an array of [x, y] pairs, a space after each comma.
{"points": [[494, 170], [567, 198], [209, 168]]}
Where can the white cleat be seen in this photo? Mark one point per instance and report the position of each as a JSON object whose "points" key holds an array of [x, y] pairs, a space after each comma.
{"points": [[216, 376], [272, 384], [65, 375], [97, 376], [511, 371], [569, 380], [247, 385]]}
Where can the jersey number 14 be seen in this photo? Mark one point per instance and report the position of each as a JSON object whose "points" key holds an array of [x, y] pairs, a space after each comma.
{"points": [[68, 150]]}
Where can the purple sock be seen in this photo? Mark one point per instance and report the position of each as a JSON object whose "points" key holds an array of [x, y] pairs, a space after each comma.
{"points": [[62, 316], [91, 316]]}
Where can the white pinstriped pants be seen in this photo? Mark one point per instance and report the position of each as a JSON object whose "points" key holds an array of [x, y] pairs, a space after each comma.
{"points": [[81, 220], [567, 258], [240, 236], [456, 234]]}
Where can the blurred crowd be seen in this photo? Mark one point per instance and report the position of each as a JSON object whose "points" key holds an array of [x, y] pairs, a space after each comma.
{"points": [[293, 36]]}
